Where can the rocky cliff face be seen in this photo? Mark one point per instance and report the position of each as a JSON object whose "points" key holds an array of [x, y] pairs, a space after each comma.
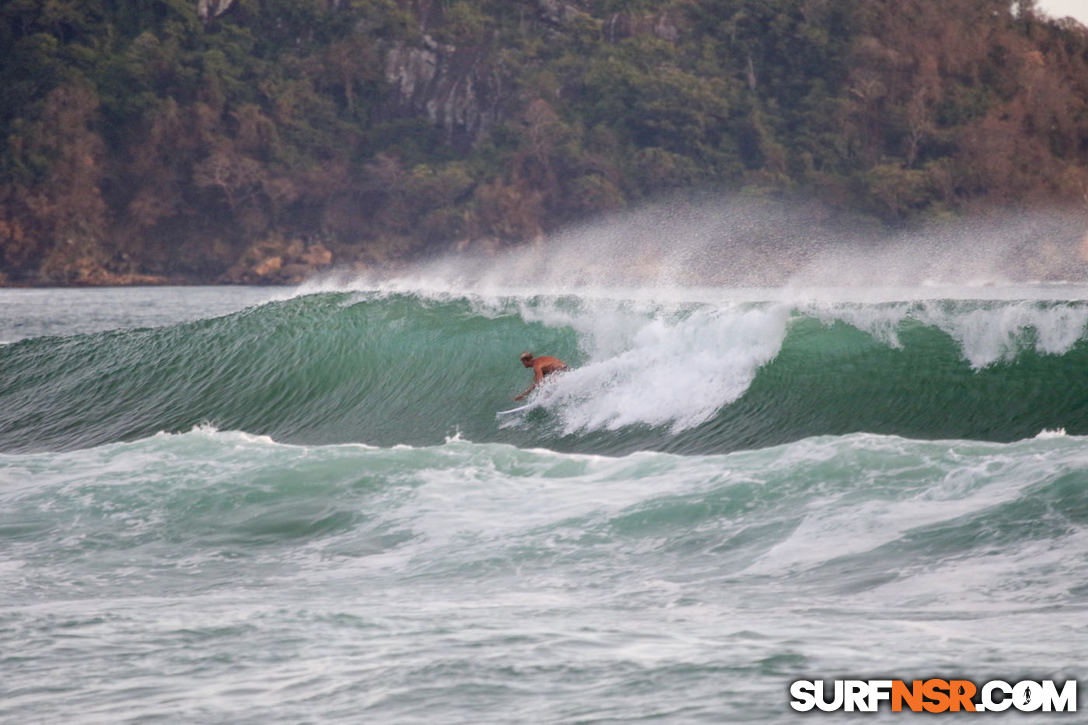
{"points": [[463, 90], [208, 9], [460, 90], [664, 25]]}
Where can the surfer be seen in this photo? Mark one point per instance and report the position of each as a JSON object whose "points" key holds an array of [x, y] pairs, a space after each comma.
{"points": [[542, 367]]}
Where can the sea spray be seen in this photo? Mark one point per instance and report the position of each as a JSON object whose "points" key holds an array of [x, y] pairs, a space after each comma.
{"points": [[737, 242]]}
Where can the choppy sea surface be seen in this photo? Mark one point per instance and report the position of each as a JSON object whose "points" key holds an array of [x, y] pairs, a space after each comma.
{"points": [[240, 505]]}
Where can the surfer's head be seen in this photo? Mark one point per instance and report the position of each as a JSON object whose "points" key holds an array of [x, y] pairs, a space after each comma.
{"points": [[527, 359]]}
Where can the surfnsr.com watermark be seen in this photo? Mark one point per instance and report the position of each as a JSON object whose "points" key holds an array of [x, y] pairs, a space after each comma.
{"points": [[933, 695]]}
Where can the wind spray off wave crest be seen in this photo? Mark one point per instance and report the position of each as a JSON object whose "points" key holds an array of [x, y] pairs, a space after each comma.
{"points": [[738, 242]]}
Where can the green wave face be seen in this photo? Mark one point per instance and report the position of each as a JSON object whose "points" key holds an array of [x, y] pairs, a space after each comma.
{"points": [[699, 377]]}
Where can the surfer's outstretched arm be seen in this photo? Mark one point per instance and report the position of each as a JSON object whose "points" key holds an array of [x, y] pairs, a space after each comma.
{"points": [[537, 377]]}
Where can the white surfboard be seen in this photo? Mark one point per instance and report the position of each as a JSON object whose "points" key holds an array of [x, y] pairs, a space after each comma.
{"points": [[515, 410]]}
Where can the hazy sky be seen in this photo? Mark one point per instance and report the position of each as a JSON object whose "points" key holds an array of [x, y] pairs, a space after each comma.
{"points": [[1060, 8]]}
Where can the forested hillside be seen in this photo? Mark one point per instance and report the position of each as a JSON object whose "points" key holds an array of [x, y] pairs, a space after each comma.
{"points": [[258, 140]]}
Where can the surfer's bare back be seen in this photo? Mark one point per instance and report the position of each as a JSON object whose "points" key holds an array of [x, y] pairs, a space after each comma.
{"points": [[542, 367]]}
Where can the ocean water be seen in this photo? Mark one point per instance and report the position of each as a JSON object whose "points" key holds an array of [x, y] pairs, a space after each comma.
{"points": [[232, 505]]}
